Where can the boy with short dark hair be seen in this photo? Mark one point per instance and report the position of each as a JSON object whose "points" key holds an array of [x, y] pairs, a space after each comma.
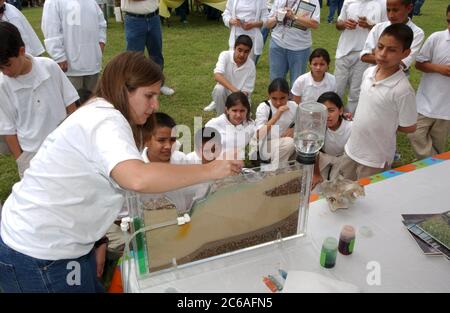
{"points": [[160, 140], [37, 97], [386, 105], [207, 146], [433, 122], [397, 12], [234, 71]]}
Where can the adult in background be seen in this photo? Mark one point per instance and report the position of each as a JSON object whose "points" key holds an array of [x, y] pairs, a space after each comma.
{"points": [[291, 41], [246, 17], [9, 13], [334, 5], [417, 6], [143, 29], [16, 3], [75, 37]]}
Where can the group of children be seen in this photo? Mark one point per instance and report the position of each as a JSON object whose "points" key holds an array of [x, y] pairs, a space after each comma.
{"points": [[380, 98], [374, 95]]}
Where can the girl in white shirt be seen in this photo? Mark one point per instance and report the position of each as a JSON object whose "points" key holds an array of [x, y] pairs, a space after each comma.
{"points": [[275, 125], [75, 186], [235, 126], [336, 136], [309, 86]]}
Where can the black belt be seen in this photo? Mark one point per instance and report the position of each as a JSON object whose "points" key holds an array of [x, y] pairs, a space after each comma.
{"points": [[143, 15]]}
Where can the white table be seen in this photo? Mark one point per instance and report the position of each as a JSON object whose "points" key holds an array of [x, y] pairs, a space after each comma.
{"points": [[403, 267]]}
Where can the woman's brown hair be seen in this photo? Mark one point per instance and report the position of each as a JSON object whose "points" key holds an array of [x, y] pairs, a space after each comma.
{"points": [[124, 74]]}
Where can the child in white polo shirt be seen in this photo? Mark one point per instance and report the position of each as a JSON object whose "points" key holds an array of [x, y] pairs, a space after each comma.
{"points": [[397, 12], [160, 141], [234, 71], [433, 104], [275, 120], [355, 22], [386, 105], [235, 126], [309, 86], [207, 146], [38, 96]]}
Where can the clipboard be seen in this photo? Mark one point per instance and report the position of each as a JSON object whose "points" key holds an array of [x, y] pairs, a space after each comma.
{"points": [[302, 8]]}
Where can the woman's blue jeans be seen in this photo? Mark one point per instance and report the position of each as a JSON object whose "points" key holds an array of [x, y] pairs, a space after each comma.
{"points": [[283, 61], [22, 273]]}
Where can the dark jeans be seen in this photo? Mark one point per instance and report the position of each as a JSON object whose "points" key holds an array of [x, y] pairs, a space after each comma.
{"points": [[22, 273], [182, 11], [417, 6], [16, 3], [334, 5], [265, 32], [143, 32]]}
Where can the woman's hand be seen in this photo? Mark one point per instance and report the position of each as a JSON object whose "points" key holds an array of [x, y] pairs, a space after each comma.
{"points": [[223, 168], [350, 24], [100, 257], [250, 25], [289, 13], [235, 22]]}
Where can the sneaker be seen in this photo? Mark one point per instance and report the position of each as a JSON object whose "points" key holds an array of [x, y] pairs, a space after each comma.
{"points": [[210, 107], [167, 91]]}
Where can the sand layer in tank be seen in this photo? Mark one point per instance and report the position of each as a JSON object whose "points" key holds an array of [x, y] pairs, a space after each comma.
{"points": [[234, 217]]}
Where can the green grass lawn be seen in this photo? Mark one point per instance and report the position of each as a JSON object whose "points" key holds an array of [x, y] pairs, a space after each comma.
{"points": [[191, 52]]}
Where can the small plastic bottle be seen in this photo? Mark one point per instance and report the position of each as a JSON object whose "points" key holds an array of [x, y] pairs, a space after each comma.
{"points": [[328, 253], [347, 240]]}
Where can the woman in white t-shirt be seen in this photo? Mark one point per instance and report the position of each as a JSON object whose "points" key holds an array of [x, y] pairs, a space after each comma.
{"points": [[235, 126], [336, 136], [246, 17], [309, 86], [290, 46], [75, 186]]}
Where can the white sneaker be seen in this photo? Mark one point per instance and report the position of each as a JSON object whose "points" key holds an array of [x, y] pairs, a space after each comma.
{"points": [[210, 107], [167, 91]]}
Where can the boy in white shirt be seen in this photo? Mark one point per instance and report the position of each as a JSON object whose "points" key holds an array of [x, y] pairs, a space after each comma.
{"points": [[75, 36], [397, 12], [9, 13], [433, 105], [234, 71], [159, 147], [386, 105], [355, 21], [207, 146], [38, 96], [161, 142]]}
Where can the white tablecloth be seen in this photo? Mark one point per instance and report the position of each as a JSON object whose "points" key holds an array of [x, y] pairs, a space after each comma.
{"points": [[390, 251]]}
